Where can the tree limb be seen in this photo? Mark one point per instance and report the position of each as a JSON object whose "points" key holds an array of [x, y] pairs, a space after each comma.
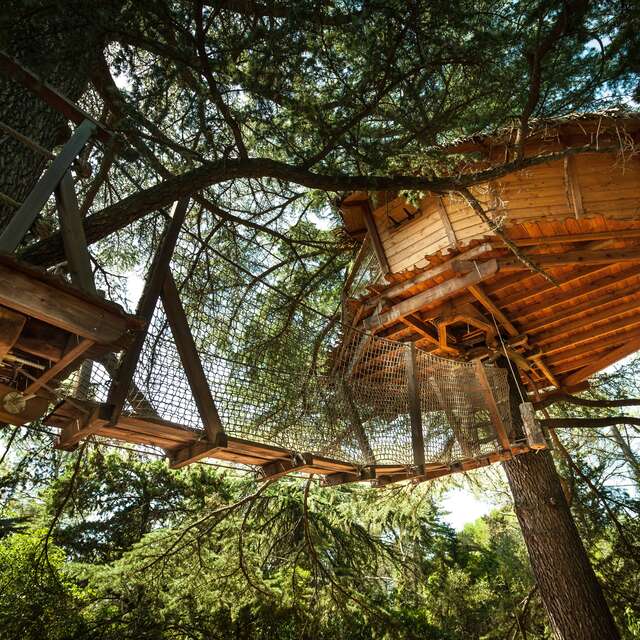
{"points": [[116, 216], [562, 396], [587, 423]]}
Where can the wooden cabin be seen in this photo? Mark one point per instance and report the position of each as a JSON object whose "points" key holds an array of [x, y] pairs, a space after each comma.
{"points": [[562, 302]]}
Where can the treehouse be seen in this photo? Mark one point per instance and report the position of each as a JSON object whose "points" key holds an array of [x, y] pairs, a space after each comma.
{"points": [[541, 264]]}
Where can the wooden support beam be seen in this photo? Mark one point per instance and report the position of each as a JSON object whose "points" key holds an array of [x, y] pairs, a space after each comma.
{"points": [[572, 187], [81, 427], [440, 292], [428, 332], [14, 70], [122, 381], [278, 468], [11, 325], [190, 358], [446, 223], [479, 294], [73, 236], [540, 363], [187, 454], [36, 294], [24, 217], [374, 237], [333, 479], [602, 363], [67, 359], [492, 407], [415, 406], [452, 264]]}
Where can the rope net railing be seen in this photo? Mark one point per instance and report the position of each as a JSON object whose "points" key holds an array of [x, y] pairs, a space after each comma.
{"points": [[283, 374]]}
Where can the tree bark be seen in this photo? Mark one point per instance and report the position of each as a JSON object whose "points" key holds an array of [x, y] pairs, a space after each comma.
{"points": [[568, 586], [59, 41]]}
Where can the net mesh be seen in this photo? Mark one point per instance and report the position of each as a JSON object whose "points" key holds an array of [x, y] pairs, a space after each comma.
{"points": [[283, 374]]}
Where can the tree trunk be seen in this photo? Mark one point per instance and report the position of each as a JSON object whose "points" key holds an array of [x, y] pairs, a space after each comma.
{"points": [[58, 41], [568, 585]]}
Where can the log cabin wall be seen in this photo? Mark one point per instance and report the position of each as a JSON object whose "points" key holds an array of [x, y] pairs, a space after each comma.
{"points": [[591, 186]]}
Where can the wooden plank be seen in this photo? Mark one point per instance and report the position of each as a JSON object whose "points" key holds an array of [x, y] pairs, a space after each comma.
{"points": [[591, 286], [568, 258], [56, 306], [374, 237], [439, 292], [479, 294], [573, 310], [571, 352], [122, 381], [190, 358], [570, 330], [415, 408], [73, 236], [192, 452], [67, 359], [602, 363], [446, 223], [450, 265], [11, 325], [538, 241], [24, 217], [13, 69], [490, 402], [598, 332]]}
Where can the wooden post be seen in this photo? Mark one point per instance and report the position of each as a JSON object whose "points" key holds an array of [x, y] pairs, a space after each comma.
{"points": [[122, 380], [492, 407], [446, 223], [376, 243], [73, 236], [25, 216], [190, 358], [415, 410]]}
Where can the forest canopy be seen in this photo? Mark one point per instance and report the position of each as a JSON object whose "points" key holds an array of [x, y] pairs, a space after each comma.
{"points": [[266, 114]]}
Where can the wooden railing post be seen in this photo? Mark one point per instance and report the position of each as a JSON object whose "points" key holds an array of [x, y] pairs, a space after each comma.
{"points": [[190, 359], [415, 410], [122, 380]]}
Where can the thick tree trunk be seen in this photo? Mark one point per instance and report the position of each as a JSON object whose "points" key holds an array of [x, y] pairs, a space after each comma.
{"points": [[58, 41], [567, 583]]}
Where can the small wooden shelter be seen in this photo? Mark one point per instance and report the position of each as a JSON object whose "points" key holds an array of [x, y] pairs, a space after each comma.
{"points": [[440, 275]]}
